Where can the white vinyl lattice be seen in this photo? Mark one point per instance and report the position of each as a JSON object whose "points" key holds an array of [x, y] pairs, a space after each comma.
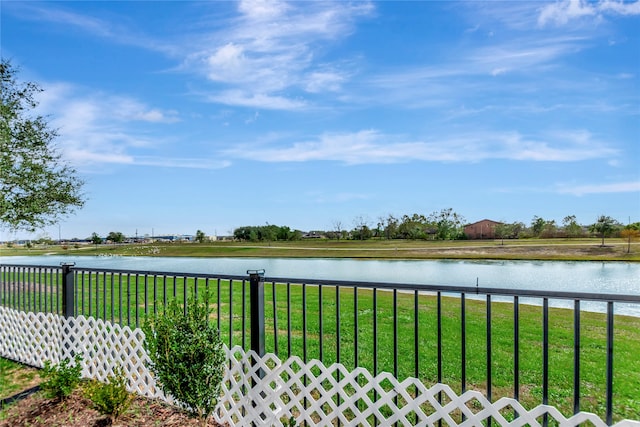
{"points": [[267, 391]]}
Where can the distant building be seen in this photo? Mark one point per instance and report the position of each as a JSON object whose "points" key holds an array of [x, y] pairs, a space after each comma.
{"points": [[484, 229], [313, 235]]}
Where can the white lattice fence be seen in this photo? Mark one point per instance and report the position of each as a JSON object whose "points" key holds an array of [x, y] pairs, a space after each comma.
{"points": [[266, 390]]}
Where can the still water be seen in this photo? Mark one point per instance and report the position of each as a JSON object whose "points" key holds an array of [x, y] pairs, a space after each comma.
{"points": [[578, 276]]}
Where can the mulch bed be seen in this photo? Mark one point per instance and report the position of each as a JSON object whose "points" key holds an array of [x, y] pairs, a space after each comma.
{"points": [[76, 411]]}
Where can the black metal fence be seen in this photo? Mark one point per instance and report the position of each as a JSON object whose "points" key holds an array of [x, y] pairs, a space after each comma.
{"points": [[480, 338]]}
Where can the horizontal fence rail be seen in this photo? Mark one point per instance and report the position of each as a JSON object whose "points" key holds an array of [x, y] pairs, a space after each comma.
{"points": [[500, 342]]}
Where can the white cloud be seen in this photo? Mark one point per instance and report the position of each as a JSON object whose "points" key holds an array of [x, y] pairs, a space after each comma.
{"points": [[371, 146], [257, 100], [260, 10], [321, 81], [617, 187], [271, 50], [620, 7], [520, 55], [460, 79], [226, 62], [99, 129], [561, 12], [47, 12], [82, 157], [189, 163]]}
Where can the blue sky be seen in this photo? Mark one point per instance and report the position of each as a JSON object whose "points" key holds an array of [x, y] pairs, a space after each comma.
{"points": [[212, 115]]}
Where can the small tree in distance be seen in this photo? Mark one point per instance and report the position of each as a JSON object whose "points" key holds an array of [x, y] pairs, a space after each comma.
{"points": [[200, 236], [604, 226], [571, 227], [95, 239], [115, 237], [503, 230], [630, 233]]}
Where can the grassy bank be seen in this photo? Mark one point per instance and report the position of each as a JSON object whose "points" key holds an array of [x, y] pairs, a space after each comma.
{"points": [[528, 249]]}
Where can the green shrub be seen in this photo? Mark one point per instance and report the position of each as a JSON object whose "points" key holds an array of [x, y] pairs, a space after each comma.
{"points": [[187, 356], [60, 380], [111, 398]]}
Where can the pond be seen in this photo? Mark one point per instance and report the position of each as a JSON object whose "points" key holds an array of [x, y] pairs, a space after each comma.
{"points": [[576, 276]]}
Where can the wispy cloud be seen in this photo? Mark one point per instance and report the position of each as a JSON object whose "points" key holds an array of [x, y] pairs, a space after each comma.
{"points": [[616, 187], [256, 100], [272, 48], [92, 25], [481, 75], [371, 146], [99, 129], [562, 12], [521, 55]]}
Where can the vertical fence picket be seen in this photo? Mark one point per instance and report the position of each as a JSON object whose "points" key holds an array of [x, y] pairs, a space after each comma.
{"points": [[463, 343], [609, 400], [231, 313], [320, 324], [275, 319], [288, 319], [516, 348], [576, 356], [489, 351], [244, 314]]}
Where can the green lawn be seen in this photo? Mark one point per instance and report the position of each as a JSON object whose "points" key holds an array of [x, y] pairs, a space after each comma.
{"points": [[123, 297]]}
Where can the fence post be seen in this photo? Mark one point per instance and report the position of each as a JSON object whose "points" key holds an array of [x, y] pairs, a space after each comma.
{"points": [[256, 324], [68, 289], [256, 299]]}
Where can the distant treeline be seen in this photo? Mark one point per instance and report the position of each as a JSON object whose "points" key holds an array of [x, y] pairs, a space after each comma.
{"points": [[445, 224]]}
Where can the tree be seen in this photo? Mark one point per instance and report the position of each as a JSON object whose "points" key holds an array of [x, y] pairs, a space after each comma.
{"points": [[115, 237], [413, 227], [37, 187], [630, 233], [537, 225], [549, 229], [604, 226], [571, 227], [200, 236], [95, 239], [337, 228], [449, 224], [361, 230], [503, 230], [390, 226]]}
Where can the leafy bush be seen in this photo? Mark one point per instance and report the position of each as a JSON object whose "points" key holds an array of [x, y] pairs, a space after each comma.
{"points": [[110, 398], [60, 380], [187, 356]]}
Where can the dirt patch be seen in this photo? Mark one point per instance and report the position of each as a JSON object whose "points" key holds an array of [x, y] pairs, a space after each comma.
{"points": [[76, 411]]}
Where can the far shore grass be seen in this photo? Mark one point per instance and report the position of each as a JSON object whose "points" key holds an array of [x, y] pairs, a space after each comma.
{"points": [[585, 249]]}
